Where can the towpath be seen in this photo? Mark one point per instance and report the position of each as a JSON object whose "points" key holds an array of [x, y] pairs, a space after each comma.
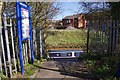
{"points": [[64, 70]]}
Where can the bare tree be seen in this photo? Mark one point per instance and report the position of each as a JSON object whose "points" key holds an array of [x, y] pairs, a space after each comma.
{"points": [[41, 12], [91, 7], [94, 10]]}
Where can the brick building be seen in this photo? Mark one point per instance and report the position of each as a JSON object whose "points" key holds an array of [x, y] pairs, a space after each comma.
{"points": [[77, 21]]}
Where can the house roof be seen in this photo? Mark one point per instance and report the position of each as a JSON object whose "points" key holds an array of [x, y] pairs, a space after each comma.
{"points": [[72, 17]]}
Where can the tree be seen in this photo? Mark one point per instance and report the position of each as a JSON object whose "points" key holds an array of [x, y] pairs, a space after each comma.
{"points": [[94, 9], [115, 9], [91, 7], [41, 13]]}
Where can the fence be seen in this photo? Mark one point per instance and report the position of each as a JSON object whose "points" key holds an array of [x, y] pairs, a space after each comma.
{"points": [[38, 43], [103, 37], [9, 57]]}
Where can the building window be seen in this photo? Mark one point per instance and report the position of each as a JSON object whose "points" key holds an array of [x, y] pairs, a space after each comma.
{"points": [[75, 20], [69, 21]]}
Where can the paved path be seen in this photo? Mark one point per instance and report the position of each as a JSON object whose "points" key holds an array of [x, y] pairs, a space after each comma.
{"points": [[64, 70]]}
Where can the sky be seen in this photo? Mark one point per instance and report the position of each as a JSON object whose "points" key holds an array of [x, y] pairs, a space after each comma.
{"points": [[67, 8]]}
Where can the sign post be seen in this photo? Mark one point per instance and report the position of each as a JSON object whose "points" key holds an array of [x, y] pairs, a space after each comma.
{"points": [[24, 29]]}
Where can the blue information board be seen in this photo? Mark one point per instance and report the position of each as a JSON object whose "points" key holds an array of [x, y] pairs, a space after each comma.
{"points": [[24, 29], [25, 21]]}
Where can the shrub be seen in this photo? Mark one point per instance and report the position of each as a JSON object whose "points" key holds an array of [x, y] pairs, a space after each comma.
{"points": [[91, 56], [105, 67]]}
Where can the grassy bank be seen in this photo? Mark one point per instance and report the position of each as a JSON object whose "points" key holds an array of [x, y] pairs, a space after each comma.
{"points": [[29, 70], [66, 38]]}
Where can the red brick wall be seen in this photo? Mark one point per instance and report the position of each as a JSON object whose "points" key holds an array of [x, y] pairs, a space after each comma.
{"points": [[82, 23], [77, 22]]}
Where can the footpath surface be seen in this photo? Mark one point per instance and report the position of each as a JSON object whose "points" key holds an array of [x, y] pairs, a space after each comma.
{"points": [[64, 70]]}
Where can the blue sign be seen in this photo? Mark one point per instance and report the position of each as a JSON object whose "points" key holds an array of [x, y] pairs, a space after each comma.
{"points": [[25, 21], [24, 29]]}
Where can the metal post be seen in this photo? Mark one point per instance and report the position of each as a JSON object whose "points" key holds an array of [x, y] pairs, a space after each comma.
{"points": [[88, 38], [29, 49], [0, 53], [94, 34], [41, 43], [3, 51], [16, 46], [102, 34], [118, 73], [19, 38], [7, 44], [110, 37], [35, 45], [98, 28], [0, 66], [117, 38], [113, 35], [26, 52], [105, 39], [31, 42], [107, 36], [13, 47]]}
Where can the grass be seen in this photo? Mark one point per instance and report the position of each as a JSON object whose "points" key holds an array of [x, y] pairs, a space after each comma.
{"points": [[66, 38]]}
